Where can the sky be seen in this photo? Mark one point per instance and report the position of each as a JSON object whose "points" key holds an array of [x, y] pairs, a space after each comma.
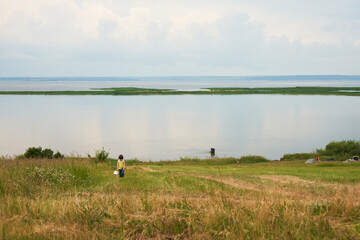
{"points": [[179, 37]]}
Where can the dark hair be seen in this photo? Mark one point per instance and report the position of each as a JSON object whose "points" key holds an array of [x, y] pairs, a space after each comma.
{"points": [[121, 156]]}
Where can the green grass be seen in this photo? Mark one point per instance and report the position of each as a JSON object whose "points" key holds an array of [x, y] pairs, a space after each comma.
{"points": [[344, 91], [189, 198]]}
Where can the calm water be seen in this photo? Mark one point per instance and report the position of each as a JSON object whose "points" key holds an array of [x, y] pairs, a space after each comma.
{"points": [[170, 127]]}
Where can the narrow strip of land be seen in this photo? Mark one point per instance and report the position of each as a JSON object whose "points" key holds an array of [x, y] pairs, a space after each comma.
{"points": [[343, 91]]}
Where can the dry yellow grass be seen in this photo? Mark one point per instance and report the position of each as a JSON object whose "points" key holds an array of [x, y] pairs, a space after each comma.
{"points": [[167, 202]]}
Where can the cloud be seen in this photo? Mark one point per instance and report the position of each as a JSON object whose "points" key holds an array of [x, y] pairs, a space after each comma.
{"points": [[206, 37]]}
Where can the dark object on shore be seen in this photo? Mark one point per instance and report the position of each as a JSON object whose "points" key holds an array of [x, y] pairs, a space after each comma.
{"points": [[356, 158], [331, 159], [212, 151]]}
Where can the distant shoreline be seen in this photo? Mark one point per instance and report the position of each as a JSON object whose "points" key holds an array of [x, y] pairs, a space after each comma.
{"points": [[123, 91], [136, 78]]}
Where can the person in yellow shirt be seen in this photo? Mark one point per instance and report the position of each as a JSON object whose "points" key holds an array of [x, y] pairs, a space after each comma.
{"points": [[121, 165]]}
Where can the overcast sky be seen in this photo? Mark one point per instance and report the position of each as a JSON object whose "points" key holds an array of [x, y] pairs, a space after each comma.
{"points": [[179, 37]]}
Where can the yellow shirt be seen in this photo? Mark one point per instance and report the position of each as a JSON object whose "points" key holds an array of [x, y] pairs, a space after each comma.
{"points": [[120, 164]]}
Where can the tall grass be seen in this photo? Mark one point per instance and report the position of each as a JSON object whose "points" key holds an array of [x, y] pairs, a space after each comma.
{"points": [[77, 199], [31, 176]]}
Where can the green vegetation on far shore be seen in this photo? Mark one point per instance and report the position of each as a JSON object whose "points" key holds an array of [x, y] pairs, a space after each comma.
{"points": [[344, 91]]}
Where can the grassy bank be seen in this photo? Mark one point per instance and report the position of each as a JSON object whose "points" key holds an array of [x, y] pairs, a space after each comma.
{"points": [[190, 198], [344, 91]]}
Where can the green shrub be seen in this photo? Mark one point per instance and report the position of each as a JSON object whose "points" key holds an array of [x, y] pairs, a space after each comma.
{"points": [[297, 156], [33, 152], [58, 155], [38, 152], [252, 159], [47, 153], [100, 155], [341, 148]]}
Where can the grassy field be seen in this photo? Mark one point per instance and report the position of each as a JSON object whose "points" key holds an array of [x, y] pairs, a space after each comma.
{"points": [[345, 91], [211, 199]]}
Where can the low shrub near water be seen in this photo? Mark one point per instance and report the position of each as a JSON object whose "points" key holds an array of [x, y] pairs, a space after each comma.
{"points": [[38, 152], [297, 156], [252, 159]]}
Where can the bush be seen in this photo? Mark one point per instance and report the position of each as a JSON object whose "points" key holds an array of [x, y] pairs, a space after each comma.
{"points": [[297, 156], [252, 159], [100, 155], [33, 152], [58, 155], [38, 152], [47, 153], [341, 148]]}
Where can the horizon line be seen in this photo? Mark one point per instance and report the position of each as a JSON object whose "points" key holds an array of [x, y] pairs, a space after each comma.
{"points": [[177, 76]]}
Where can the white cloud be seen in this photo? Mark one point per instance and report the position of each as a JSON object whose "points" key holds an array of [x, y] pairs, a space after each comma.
{"points": [[237, 37]]}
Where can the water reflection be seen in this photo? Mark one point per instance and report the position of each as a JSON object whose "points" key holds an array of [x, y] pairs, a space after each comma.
{"points": [[170, 127]]}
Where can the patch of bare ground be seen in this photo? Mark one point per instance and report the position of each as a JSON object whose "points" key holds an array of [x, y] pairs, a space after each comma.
{"points": [[286, 179], [231, 182]]}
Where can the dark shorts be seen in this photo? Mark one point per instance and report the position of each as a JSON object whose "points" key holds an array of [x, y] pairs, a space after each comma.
{"points": [[121, 172]]}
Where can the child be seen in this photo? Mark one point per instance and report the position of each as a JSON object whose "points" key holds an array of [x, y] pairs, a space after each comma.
{"points": [[121, 165]]}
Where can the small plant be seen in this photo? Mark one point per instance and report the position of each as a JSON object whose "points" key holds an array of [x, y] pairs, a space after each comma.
{"points": [[100, 155]]}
